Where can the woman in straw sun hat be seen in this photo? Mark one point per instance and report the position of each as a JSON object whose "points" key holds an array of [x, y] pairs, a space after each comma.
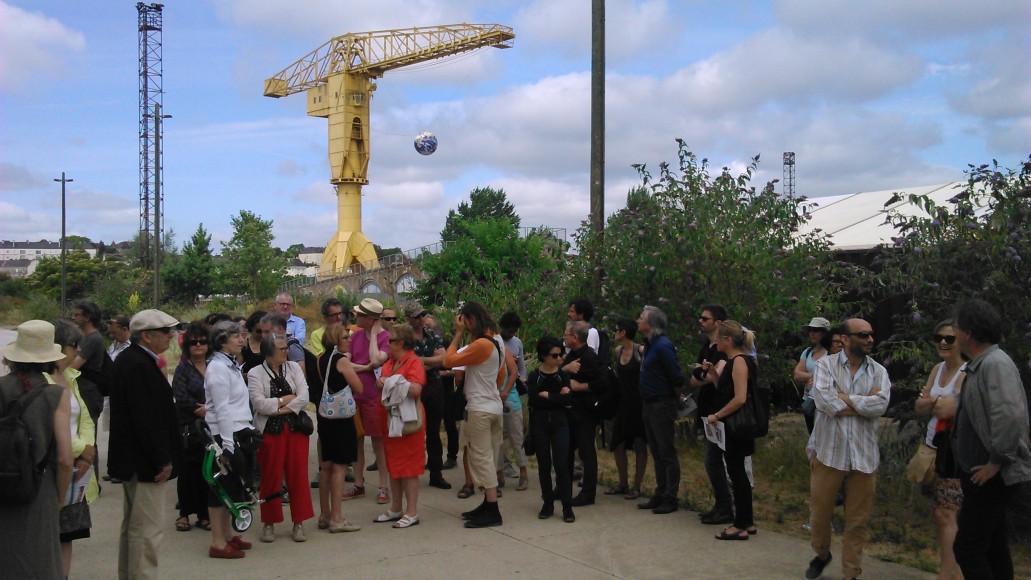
{"points": [[29, 539]]}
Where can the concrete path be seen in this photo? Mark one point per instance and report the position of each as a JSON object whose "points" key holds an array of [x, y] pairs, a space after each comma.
{"points": [[611, 539]]}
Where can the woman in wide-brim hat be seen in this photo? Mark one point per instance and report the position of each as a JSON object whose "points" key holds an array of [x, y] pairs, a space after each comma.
{"points": [[29, 538]]}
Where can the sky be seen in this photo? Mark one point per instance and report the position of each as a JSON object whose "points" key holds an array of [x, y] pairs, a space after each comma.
{"points": [[875, 95]]}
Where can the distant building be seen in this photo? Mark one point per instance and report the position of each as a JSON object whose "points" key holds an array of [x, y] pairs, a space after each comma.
{"points": [[311, 256], [20, 268], [34, 251], [298, 268]]}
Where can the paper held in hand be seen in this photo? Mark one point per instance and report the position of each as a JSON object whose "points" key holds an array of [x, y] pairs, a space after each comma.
{"points": [[77, 490], [717, 434]]}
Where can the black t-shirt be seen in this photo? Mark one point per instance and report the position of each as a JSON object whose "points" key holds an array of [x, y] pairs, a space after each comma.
{"points": [[92, 350], [539, 382], [707, 392]]}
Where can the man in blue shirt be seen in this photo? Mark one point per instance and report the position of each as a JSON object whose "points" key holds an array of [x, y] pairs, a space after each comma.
{"points": [[660, 379]]}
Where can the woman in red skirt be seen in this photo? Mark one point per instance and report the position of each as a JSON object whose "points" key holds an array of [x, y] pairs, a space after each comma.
{"points": [[401, 384], [278, 395]]}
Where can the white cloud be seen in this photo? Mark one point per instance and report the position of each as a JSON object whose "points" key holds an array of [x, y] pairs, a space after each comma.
{"points": [[14, 177], [34, 47], [23, 225]]}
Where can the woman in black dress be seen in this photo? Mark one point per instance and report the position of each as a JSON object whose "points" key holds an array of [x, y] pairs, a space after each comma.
{"points": [[628, 428], [188, 388], [732, 387], [338, 440]]}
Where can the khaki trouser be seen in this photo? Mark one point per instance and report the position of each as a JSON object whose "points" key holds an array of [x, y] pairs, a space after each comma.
{"points": [[143, 525], [483, 436], [824, 484]]}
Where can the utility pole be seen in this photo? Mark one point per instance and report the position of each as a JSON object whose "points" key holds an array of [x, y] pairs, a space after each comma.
{"points": [[64, 245], [598, 116], [157, 204]]}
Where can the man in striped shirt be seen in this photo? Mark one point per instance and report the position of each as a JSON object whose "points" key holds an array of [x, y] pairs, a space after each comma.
{"points": [[851, 393]]}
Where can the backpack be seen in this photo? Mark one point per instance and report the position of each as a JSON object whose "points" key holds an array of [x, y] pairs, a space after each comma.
{"points": [[604, 346], [20, 476]]}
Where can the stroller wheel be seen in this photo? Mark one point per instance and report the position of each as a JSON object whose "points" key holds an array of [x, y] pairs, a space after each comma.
{"points": [[243, 522]]}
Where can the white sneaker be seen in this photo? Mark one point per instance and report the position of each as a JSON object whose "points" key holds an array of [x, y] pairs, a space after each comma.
{"points": [[511, 471], [299, 533], [268, 534]]}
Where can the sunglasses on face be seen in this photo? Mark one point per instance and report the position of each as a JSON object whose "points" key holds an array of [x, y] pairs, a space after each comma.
{"points": [[334, 314], [554, 354], [861, 335], [948, 338], [197, 341], [393, 340], [388, 318]]}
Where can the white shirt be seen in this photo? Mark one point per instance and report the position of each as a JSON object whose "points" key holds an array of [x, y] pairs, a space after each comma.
{"points": [[116, 348], [848, 443], [227, 399]]}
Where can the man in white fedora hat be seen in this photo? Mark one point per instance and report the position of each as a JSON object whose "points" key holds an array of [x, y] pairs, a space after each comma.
{"points": [[143, 447]]}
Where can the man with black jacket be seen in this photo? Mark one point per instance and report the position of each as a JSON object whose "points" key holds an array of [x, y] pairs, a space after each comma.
{"points": [[143, 450], [587, 382]]}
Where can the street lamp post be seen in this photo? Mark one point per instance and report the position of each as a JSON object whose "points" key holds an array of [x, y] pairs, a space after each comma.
{"points": [[64, 244]]}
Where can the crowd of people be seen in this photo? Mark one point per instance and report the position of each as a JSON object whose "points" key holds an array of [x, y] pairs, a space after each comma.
{"points": [[246, 384]]}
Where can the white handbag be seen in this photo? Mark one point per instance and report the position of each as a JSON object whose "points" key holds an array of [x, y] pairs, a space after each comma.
{"points": [[339, 405]]}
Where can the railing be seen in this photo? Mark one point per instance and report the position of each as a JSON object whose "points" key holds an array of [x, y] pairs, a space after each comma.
{"points": [[399, 259]]}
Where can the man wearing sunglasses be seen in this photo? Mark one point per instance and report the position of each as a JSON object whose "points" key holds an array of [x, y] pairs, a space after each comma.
{"points": [[332, 314], [429, 347], [851, 392], [990, 443]]}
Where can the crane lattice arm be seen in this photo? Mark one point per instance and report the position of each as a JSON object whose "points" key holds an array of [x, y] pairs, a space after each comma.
{"points": [[373, 53]]}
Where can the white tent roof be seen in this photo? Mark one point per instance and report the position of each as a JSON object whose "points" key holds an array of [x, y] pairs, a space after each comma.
{"points": [[856, 221]]}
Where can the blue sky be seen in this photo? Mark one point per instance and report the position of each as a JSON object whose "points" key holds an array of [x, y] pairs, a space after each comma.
{"points": [[874, 95]]}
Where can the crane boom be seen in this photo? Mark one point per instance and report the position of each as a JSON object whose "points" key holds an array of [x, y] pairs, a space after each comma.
{"points": [[373, 53]]}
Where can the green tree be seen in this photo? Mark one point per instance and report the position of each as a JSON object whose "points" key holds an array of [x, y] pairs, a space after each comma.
{"points": [[250, 264], [193, 273], [493, 265], [977, 245], [294, 251], [688, 238], [484, 203]]}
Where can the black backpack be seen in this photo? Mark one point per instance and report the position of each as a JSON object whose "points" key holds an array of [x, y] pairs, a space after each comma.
{"points": [[20, 476]]}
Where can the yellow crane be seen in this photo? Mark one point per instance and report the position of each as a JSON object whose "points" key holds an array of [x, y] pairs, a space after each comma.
{"points": [[338, 78]]}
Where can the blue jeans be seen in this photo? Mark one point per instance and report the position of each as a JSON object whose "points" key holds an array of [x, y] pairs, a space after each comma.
{"points": [[659, 417], [981, 546], [549, 430]]}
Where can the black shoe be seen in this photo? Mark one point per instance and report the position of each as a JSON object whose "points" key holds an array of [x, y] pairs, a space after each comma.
{"points": [[488, 518], [475, 511], [437, 481], [547, 510], [581, 500], [372, 467], [315, 484], [650, 504], [451, 463], [718, 518], [567, 513], [666, 507], [713, 511], [115, 480], [816, 566]]}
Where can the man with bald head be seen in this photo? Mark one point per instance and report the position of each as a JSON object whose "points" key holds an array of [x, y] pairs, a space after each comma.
{"points": [[851, 392]]}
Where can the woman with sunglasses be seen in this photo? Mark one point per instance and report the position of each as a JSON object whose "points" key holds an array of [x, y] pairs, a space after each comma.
{"points": [[279, 394], [188, 389], [548, 394], [939, 398]]}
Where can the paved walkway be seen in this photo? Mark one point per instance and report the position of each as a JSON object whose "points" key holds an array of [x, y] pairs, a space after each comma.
{"points": [[611, 539]]}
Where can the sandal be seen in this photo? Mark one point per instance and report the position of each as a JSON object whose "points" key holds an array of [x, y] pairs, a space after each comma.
{"points": [[323, 522], [183, 524], [467, 491], [204, 525], [738, 535], [523, 484], [388, 517], [632, 493], [407, 521], [617, 490]]}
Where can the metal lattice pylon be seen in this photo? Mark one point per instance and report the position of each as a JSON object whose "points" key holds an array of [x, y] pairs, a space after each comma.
{"points": [[150, 137]]}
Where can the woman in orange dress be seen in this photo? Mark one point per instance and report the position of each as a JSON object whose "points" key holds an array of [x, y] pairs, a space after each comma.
{"points": [[406, 454]]}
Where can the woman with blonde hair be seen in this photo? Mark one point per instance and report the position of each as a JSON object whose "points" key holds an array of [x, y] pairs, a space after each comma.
{"points": [[733, 385], [338, 438]]}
